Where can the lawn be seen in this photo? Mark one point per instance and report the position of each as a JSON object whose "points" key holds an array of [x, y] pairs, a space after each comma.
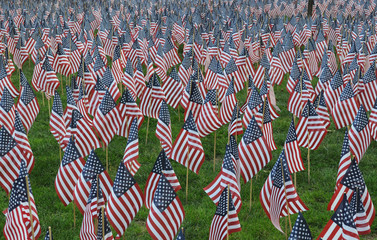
{"points": [[199, 208]]}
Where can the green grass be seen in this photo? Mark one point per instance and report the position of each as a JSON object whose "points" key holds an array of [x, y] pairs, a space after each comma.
{"points": [[199, 208]]}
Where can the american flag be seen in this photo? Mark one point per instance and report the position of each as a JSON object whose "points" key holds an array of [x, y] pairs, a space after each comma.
{"points": [[187, 148], [117, 65], [293, 77], [47, 78], [185, 69], [163, 129], [27, 105], [20, 54], [345, 159], [166, 212], [110, 84], [181, 235], [292, 150], [324, 80], [351, 181], [341, 225], [276, 70], [255, 102], [93, 169], [139, 79], [96, 98], [360, 217], [173, 89], [321, 108], [369, 93], [68, 173], [235, 124], [5, 81], [334, 90], [161, 166], [128, 110], [20, 136], [192, 100], [93, 205], [310, 128], [210, 79], [228, 104], [278, 196], [345, 109], [208, 120], [61, 62], [232, 72], [125, 201], [264, 120], [18, 216], [225, 221], [85, 137], [253, 151], [131, 152], [48, 235], [57, 124], [300, 230], [226, 177], [104, 230], [7, 111], [360, 134], [107, 120], [128, 79]]}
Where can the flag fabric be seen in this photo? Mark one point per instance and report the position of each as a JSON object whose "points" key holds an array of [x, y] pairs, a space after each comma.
{"points": [[360, 134], [278, 196], [300, 230], [163, 129], [10, 159], [255, 102], [131, 152], [253, 151], [173, 88], [228, 104], [264, 120], [235, 124], [334, 90], [57, 124], [187, 148], [345, 159], [104, 230], [94, 203], [128, 110], [107, 120], [69, 172], [321, 109], [93, 169], [208, 120], [48, 236], [125, 201], [161, 166], [166, 212], [345, 109], [225, 221], [226, 178], [360, 218], [292, 150], [369, 93], [22, 140], [27, 105], [7, 111], [352, 180], [181, 235], [310, 128], [18, 216], [341, 225], [84, 135]]}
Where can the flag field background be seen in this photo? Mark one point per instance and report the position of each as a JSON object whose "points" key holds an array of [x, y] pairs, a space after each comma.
{"points": [[199, 208]]}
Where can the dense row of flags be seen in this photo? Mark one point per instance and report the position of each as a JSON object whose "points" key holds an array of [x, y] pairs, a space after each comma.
{"points": [[227, 46]]}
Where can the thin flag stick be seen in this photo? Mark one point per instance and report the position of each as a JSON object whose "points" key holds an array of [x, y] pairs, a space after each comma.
{"points": [[74, 215], [214, 153], [308, 157], [187, 171], [107, 158], [251, 192], [49, 232], [30, 212]]}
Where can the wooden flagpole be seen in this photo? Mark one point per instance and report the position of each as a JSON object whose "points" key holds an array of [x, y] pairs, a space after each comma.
{"points": [[227, 215], [214, 153], [96, 219], [74, 215], [30, 212], [107, 158], [187, 171], [308, 157], [49, 232]]}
